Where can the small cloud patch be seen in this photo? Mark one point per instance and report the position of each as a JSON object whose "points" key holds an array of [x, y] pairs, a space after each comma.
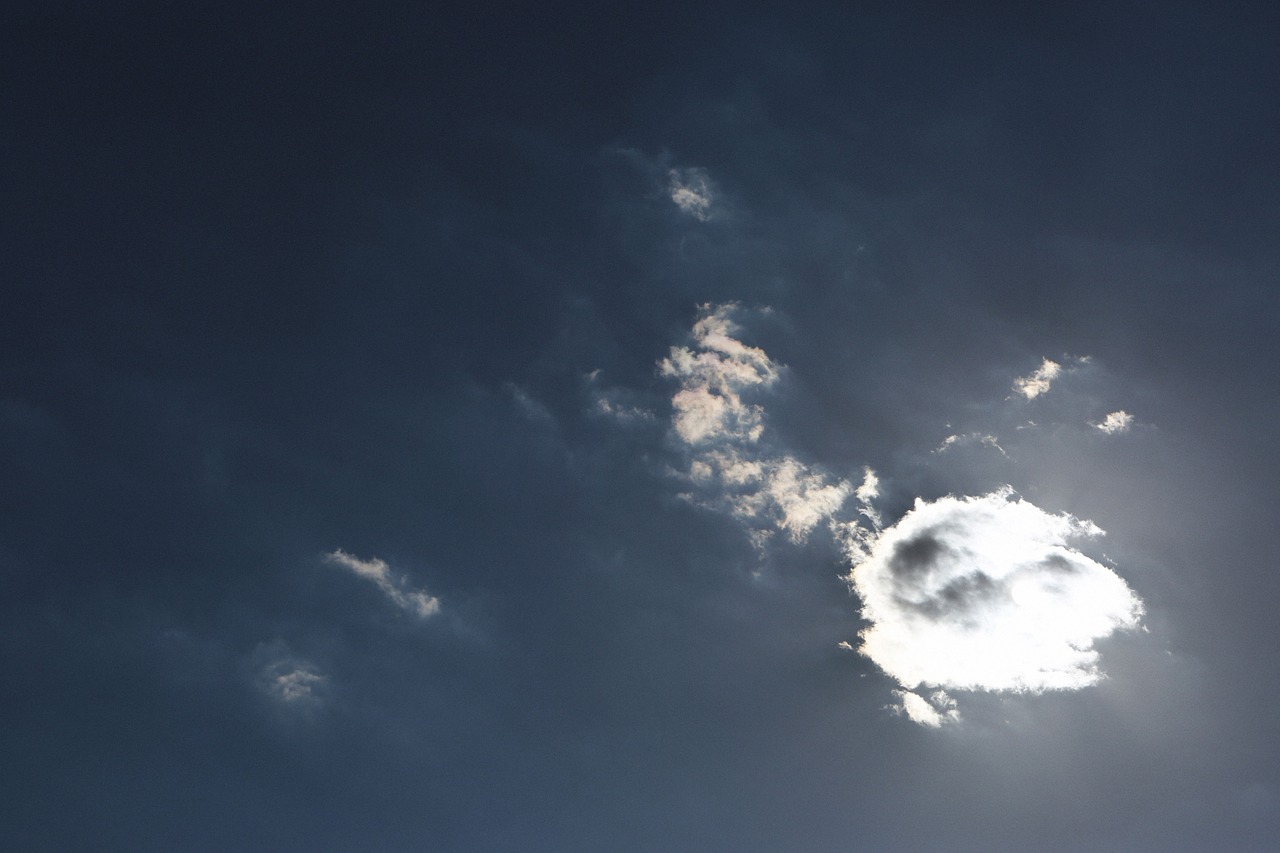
{"points": [[287, 679], [414, 601], [1115, 423], [691, 191], [1039, 381]]}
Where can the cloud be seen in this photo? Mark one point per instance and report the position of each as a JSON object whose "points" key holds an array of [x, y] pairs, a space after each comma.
{"points": [[287, 679], [985, 593], [934, 711], [612, 403], [986, 439], [723, 433], [397, 589], [1039, 381], [1116, 422], [709, 406], [691, 191], [1042, 378]]}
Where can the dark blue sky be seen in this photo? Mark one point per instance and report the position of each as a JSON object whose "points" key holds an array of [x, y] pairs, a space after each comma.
{"points": [[345, 503]]}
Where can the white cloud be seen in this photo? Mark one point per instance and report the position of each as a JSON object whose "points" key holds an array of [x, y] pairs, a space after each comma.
{"points": [[938, 709], [712, 376], [866, 493], [1116, 422], [1039, 381], [691, 190], [985, 593], [723, 432], [397, 589]]}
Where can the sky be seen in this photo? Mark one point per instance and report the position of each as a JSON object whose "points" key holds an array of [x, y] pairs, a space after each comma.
{"points": [[646, 427]]}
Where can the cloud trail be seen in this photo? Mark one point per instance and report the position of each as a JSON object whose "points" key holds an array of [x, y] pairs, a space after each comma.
{"points": [[396, 589], [1039, 381]]}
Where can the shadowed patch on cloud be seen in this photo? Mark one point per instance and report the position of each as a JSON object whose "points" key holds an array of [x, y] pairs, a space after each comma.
{"points": [[984, 593], [723, 433]]}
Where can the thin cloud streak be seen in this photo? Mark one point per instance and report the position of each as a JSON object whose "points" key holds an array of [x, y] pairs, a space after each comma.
{"points": [[414, 601]]}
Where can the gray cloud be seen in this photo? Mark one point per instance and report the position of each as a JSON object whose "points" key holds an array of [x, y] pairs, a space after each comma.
{"points": [[691, 191], [286, 678]]}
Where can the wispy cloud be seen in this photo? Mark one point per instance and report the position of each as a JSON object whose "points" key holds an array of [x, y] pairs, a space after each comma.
{"points": [[1040, 380], [985, 439], [614, 403], [1116, 422], [286, 678], [985, 593], [396, 589], [723, 431], [691, 191]]}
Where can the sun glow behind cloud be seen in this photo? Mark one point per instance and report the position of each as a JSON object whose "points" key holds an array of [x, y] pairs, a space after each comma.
{"points": [[983, 593], [987, 593]]}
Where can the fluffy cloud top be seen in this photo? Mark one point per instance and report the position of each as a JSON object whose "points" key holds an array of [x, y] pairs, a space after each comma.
{"points": [[723, 432], [397, 589], [985, 593]]}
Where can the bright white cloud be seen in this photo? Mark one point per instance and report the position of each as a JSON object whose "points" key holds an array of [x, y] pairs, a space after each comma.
{"points": [[938, 709], [866, 494], [723, 432], [1039, 381], [985, 593], [1116, 422], [397, 589], [691, 190]]}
